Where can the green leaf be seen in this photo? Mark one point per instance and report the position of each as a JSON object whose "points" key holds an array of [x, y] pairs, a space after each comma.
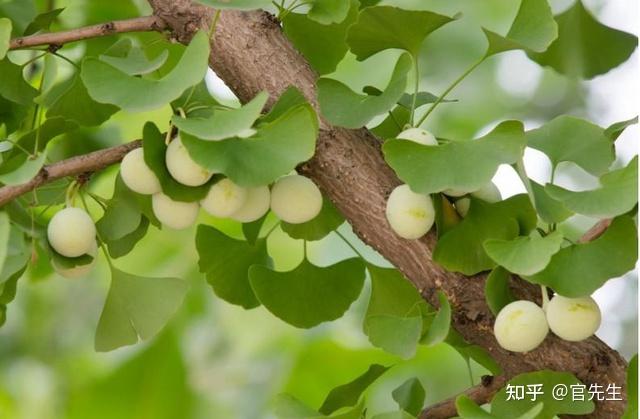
{"points": [[251, 231], [567, 138], [8, 293], [439, 328], [24, 173], [5, 234], [410, 396], [549, 209], [348, 394], [617, 195], [43, 21], [226, 262], [383, 27], [631, 411], [309, 294], [197, 97], [533, 29], [346, 108], [580, 269], [446, 215], [614, 130], [122, 215], [107, 84], [155, 149], [224, 123], [132, 60], [122, 246], [524, 255], [236, 4], [460, 165], [76, 105], [5, 36], [497, 291], [13, 87], [17, 255], [283, 143], [501, 407], [324, 223], [323, 45], [393, 124], [398, 335], [327, 12], [585, 47], [461, 250], [288, 407], [468, 409], [136, 307]]}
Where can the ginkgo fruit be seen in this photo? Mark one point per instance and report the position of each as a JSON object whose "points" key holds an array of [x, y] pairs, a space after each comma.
{"points": [[488, 193], [573, 319], [182, 167], [296, 199], [462, 206], [520, 326], [76, 271], [255, 206], [177, 215], [418, 135], [224, 198], [71, 232], [409, 214], [455, 193], [137, 175]]}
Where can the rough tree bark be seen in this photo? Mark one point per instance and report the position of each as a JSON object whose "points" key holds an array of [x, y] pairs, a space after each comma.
{"points": [[251, 54]]}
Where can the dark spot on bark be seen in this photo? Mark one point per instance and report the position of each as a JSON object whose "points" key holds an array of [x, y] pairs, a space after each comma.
{"points": [[486, 380]]}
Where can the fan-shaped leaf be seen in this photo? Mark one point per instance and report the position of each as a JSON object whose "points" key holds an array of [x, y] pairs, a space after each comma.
{"points": [[327, 12], [324, 223], [524, 255], [13, 87], [348, 394], [439, 328], [496, 290], [549, 209], [5, 36], [76, 105], [410, 396], [132, 60]]}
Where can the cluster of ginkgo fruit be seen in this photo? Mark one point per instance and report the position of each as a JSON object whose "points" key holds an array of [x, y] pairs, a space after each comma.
{"points": [[294, 199]]}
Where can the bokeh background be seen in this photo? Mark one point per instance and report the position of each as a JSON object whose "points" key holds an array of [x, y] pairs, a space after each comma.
{"points": [[215, 360]]}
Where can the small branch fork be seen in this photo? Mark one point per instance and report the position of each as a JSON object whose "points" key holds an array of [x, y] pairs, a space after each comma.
{"points": [[57, 39]]}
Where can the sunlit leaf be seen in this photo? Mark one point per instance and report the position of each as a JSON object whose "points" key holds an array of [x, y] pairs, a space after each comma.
{"points": [[309, 294], [580, 269], [132, 60], [497, 291], [585, 47], [631, 411], [524, 255], [460, 165], [549, 209], [5, 230], [468, 409], [324, 223], [348, 394], [346, 108], [5, 36], [439, 328], [614, 130], [76, 105], [327, 12], [24, 173], [410, 396]]}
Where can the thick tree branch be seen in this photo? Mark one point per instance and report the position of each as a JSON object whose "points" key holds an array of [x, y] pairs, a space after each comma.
{"points": [[57, 39], [74, 166]]}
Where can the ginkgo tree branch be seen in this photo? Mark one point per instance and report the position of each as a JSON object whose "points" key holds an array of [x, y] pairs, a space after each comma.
{"points": [[57, 39]]}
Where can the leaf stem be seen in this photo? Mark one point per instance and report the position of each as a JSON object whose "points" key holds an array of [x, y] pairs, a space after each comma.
{"points": [[449, 89], [344, 239], [416, 87], [545, 297], [522, 173], [102, 245]]}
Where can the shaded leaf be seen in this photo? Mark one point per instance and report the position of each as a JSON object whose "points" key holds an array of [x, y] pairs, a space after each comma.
{"points": [[5, 234], [132, 60], [614, 130], [497, 291], [5, 36], [631, 411], [13, 87], [439, 328], [468, 409], [549, 209], [43, 21], [122, 215], [348, 394], [251, 231], [76, 105], [125, 244], [446, 215], [29, 168], [524, 255], [324, 223], [395, 334], [410, 396], [392, 124]]}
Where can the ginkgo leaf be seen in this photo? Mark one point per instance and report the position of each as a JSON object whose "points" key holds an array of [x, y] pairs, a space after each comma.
{"points": [[285, 142], [132, 60], [236, 4], [632, 389], [439, 328], [468, 409], [121, 216], [585, 47], [107, 84], [324, 223], [309, 294], [567, 138], [5, 230], [580, 269], [394, 334], [5, 36], [549, 209], [346, 108], [460, 165], [76, 105], [524, 255], [226, 261], [42, 22], [618, 194], [497, 291], [410, 396], [327, 12], [533, 29], [29, 168], [224, 123], [136, 307], [383, 27], [461, 248], [348, 394], [614, 130], [13, 87]]}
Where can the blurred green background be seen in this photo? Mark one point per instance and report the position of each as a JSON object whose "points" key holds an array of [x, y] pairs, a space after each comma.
{"points": [[215, 360]]}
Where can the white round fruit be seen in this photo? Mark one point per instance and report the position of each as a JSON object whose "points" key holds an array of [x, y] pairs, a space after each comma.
{"points": [[71, 232], [255, 206], [409, 214], [418, 135], [462, 206], [77, 271], [573, 319], [295, 199], [455, 193], [137, 175], [520, 326], [182, 167], [488, 193], [224, 198], [174, 214]]}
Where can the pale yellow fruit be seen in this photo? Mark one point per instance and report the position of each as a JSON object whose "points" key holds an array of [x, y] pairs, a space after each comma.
{"points": [[520, 326], [409, 214], [224, 198], [419, 136], [137, 175], [71, 232], [296, 199], [488, 193], [455, 193], [76, 271], [255, 206], [462, 206], [182, 167], [573, 319], [174, 214]]}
